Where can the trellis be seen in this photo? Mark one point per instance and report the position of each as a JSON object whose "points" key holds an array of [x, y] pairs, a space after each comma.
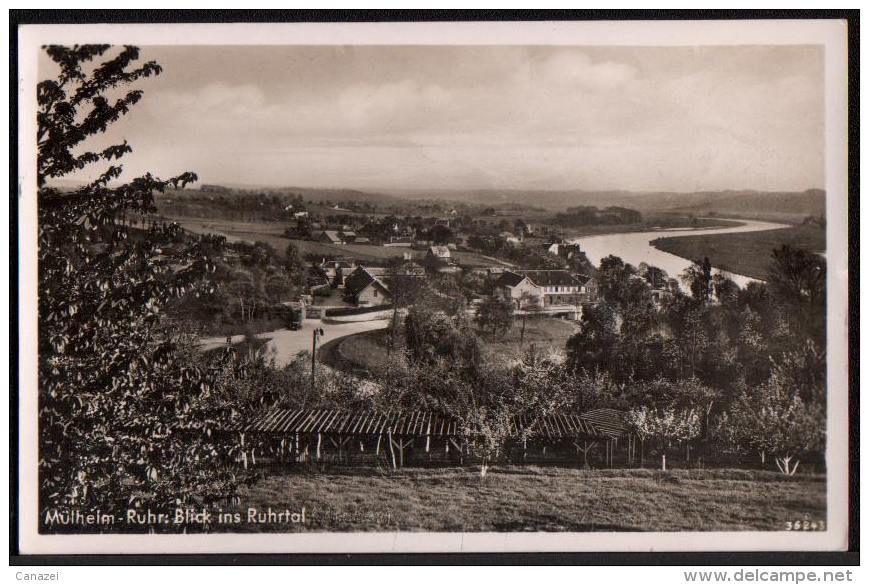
{"points": [[302, 432]]}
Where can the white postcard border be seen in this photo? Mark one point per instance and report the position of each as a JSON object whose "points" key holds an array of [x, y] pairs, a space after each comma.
{"points": [[829, 33]]}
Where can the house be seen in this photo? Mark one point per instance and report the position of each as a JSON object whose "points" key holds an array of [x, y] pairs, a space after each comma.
{"points": [[440, 259], [540, 288], [589, 287], [408, 267], [551, 247], [336, 270], [348, 235], [566, 250], [361, 240], [399, 242], [299, 214], [330, 237], [440, 253], [364, 289], [510, 238]]}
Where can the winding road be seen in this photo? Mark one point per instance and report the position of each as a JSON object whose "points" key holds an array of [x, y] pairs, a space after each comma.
{"points": [[287, 344]]}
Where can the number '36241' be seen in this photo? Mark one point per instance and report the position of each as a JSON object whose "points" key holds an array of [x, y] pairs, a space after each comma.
{"points": [[805, 525]]}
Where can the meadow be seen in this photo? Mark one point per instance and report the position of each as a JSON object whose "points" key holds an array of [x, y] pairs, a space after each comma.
{"points": [[273, 233], [747, 253], [535, 498], [367, 351]]}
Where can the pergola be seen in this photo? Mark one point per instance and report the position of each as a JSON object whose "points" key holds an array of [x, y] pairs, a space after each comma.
{"points": [[302, 432]]}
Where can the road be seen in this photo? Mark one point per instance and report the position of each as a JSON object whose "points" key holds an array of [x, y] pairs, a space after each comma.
{"points": [[288, 344]]}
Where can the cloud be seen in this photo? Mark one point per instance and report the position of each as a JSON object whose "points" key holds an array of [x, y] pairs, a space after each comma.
{"points": [[574, 68], [671, 119]]}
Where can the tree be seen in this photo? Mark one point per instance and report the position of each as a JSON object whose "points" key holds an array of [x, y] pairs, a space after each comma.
{"points": [[528, 303], [724, 289], [495, 313], [440, 234], [774, 419], [294, 265], [278, 288], [614, 279], [128, 416], [596, 344], [431, 336], [799, 279], [698, 277], [666, 426]]}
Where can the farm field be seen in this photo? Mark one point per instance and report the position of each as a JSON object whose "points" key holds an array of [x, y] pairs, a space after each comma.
{"points": [[272, 233], [367, 351], [651, 221], [535, 498], [743, 253]]}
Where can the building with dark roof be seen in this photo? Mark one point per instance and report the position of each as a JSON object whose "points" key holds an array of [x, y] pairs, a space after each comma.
{"points": [[364, 289], [330, 237], [541, 288]]}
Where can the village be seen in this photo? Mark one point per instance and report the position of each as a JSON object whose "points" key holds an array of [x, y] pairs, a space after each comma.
{"points": [[525, 269]]}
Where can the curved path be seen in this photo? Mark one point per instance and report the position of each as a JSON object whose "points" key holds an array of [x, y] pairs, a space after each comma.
{"points": [[636, 247], [287, 344]]}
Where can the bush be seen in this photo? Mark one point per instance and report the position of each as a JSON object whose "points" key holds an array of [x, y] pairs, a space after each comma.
{"points": [[343, 311]]}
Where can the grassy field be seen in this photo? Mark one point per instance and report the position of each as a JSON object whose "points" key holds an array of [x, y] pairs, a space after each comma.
{"points": [[272, 233], [650, 222], [545, 333], [744, 253], [531, 498], [367, 351]]}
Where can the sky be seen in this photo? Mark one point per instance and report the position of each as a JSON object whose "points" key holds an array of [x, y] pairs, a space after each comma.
{"points": [[507, 117]]}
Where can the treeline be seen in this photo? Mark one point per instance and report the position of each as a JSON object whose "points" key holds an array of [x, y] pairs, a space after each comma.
{"points": [[589, 215], [232, 205], [720, 372], [251, 284]]}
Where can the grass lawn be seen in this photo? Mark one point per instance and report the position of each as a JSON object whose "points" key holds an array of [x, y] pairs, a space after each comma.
{"points": [[530, 498], [545, 333], [367, 351], [746, 253]]}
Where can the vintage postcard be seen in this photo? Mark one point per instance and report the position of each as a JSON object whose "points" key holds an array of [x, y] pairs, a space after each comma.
{"points": [[433, 287]]}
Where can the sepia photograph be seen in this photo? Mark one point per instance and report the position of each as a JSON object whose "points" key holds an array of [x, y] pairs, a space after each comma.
{"points": [[487, 286]]}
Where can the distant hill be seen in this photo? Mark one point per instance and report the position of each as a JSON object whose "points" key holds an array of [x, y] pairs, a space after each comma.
{"points": [[308, 193], [810, 202], [745, 203], [785, 206]]}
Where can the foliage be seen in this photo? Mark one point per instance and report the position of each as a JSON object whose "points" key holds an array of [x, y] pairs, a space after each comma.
{"points": [[698, 277], [785, 416], [666, 425], [496, 314], [588, 215], [798, 278], [128, 416]]}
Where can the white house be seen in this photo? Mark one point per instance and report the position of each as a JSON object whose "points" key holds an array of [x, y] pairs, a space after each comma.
{"points": [[541, 288], [365, 289]]}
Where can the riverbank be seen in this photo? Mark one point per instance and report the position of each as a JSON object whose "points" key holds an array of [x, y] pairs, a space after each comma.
{"points": [[652, 222], [749, 253], [636, 248]]}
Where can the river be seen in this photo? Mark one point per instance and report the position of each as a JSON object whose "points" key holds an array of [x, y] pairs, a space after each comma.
{"points": [[636, 247]]}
